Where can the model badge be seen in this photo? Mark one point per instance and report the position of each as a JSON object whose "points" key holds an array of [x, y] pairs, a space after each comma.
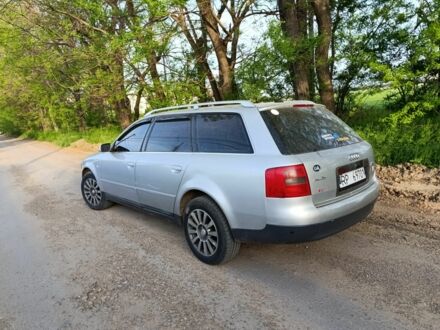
{"points": [[354, 156], [316, 168]]}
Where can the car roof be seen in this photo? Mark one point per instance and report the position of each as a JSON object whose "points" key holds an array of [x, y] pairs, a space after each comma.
{"points": [[222, 106]]}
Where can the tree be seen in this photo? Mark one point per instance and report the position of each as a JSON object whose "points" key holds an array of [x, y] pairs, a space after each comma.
{"points": [[199, 45], [264, 74], [293, 16], [323, 17], [221, 37]]}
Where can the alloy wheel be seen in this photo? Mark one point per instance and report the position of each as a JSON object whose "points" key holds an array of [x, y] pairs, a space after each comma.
{"points": [[92, 192], [202, 232]]}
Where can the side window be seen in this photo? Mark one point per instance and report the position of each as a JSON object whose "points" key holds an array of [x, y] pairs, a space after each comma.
{"points": [[131, 141], [170, 136], [222, 133]]}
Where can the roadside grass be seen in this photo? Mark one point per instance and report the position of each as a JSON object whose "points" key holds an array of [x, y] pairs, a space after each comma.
{"points": [[369, 108], [65, 139], [374, 98], [395, 143]]}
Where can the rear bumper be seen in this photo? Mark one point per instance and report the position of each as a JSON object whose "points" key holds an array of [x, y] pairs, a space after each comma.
{"points": [[297, 234], [301, 211]]}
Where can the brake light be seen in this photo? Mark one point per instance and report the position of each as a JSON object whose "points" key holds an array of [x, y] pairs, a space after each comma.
{"points": [[303, 105], [287, 181]]}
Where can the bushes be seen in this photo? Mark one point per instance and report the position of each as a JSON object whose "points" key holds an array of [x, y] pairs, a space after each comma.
{"points": [[415, 143], [398, 136]]}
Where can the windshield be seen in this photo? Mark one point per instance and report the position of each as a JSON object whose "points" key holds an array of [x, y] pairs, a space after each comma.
{"points": [[299, 130]]}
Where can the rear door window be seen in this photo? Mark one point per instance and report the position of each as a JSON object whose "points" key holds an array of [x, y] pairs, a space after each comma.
{"points": [[307, 129], [221, 133], [172, 135]]}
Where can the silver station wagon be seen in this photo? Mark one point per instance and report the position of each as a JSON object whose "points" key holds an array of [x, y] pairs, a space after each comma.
{"points": [[233, 172]]}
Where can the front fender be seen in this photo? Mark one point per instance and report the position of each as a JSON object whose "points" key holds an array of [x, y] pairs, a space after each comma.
{"points": [[93, 166]]}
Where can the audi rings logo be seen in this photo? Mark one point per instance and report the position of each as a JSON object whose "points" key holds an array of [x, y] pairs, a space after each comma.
{"points": [[355, 156]]}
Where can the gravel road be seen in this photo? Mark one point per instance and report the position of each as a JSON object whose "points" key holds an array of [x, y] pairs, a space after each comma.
{"points": [[64, 266]]}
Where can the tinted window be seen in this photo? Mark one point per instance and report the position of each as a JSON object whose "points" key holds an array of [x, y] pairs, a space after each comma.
{"points": [[132, 139], [301, 130], [170, 136], [221, 132]]}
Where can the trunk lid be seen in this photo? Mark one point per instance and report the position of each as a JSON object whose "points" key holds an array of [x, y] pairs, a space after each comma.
{"points": [[336, 159], [325, 168]]}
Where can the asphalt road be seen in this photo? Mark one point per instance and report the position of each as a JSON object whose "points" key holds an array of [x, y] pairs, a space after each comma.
{"points": [[64, 266]]}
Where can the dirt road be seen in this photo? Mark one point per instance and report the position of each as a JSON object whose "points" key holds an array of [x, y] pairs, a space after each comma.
{"points": [[64, 266]]}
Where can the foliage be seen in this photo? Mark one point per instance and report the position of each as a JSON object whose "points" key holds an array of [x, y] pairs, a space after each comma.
{"points": [[407, 126], [414, 141], [417, 142], [74, 66], [68, 68], [264, 74]]}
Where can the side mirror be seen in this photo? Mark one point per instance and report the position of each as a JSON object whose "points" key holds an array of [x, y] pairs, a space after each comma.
{"points": [[105, 147]]}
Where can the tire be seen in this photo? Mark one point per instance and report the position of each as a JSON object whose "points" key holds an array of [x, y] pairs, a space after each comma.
{"points": [[207, 232], [92, 194]]}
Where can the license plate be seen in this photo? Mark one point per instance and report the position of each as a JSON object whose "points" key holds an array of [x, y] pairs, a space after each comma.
{"points": [[348, 178]]}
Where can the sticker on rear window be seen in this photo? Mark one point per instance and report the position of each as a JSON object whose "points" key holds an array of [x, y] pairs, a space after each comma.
{"points": [[343, 139], [327, 137]]}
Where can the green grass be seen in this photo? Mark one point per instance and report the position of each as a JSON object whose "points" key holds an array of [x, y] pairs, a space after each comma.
{"points": [[370, 108], [65, 139], [417, 142], [373, 100]]}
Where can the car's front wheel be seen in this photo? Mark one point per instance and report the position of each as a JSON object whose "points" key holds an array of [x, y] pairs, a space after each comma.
{"points": [[207, 232], [92, 194]]}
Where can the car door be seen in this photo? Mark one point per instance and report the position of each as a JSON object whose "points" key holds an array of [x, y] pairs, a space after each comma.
{"points": [[160, 169], [118, 167]]}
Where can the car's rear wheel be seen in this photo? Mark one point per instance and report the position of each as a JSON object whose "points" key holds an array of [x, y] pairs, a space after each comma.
{"points": [[207, 232], [93, 195]]}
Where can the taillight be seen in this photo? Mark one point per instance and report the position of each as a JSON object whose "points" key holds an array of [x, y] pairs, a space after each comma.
{"points": [[287, 181]]}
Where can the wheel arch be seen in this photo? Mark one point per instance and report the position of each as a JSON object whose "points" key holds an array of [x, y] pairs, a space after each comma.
{"points": [[192, 193], [86, 170], [90, 165]]}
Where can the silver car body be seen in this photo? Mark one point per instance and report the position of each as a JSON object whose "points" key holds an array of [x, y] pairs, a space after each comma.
{"points": [[236, 182]]}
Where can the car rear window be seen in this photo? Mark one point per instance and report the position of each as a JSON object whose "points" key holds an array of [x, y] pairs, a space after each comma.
{"points": [[221, 133], [299, 130]]}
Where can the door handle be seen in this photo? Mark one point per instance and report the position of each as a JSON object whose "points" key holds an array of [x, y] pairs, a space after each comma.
{"points": [[130, 165], [176, 169]]}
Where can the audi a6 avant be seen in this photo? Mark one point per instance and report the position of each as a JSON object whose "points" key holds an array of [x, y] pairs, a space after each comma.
{"points": [[235, 171]]}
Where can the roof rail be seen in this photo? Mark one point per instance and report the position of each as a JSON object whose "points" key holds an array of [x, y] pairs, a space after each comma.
{"points": [[196, 106]]}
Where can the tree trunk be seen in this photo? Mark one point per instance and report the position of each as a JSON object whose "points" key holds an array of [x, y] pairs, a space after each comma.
{"points": [[323, 17], [45, 124], [138, 103], [122, 103], [201, 79], [214, 86], [155, 77], [79, 110], [199, 46], [312, 75], [228, 88], [294, 25]]}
